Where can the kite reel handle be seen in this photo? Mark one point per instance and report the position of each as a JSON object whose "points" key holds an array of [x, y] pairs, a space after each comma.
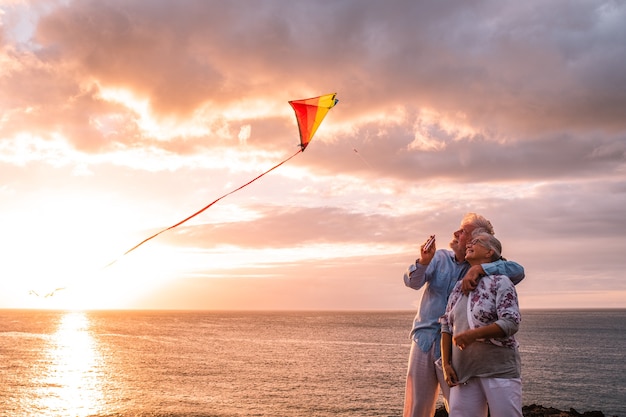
{"points": [[429, 242]]}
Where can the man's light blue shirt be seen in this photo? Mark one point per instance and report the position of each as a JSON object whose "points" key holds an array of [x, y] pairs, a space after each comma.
{"points": [[440, 277]]}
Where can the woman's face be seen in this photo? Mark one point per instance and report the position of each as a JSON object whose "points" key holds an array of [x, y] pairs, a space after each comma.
{"points": [[476, 250]]}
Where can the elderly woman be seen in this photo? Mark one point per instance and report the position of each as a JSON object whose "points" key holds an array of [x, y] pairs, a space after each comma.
{"points": [[479, 354]]}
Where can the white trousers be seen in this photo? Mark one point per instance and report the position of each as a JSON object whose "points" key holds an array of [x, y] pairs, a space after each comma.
{"points": [[502, 397], [423, 381]]}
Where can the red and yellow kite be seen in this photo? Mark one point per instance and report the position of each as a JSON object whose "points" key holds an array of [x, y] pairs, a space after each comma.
{"points": [[309, 114]]}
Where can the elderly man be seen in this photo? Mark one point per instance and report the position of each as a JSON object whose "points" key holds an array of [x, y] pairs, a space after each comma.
{"points": [[438, 272]]}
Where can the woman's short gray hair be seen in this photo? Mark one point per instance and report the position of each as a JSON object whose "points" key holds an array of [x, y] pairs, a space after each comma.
{"points": [[490, 242]]}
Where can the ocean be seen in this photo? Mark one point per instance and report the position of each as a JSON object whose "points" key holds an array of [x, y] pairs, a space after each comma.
{"points": [[222, 364]]}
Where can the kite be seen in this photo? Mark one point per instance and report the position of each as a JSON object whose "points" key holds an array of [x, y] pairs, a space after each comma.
{"points": [[309, 114]]}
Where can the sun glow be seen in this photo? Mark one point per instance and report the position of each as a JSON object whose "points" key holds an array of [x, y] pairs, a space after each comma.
{"points": [[160, 128], [72, 384], [429, 126], [58, 247], [203, 122]]}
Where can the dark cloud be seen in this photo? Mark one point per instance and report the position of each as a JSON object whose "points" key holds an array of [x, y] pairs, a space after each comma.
{"points": [[372, 151]]}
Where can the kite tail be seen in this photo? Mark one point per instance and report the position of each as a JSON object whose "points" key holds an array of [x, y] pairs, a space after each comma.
{"points": [[203, 209]]}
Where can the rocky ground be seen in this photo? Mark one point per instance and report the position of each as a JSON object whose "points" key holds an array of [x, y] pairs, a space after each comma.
{"points": [[541, 411]]}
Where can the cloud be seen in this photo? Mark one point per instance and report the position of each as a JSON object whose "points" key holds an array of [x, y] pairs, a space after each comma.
{"points": [[517, 73], [512, 109]]}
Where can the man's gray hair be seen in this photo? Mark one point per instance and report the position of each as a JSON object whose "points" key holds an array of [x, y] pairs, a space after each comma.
{"points": [[479, 222]]}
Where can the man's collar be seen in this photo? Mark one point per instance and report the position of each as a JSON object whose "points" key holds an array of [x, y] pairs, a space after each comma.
{"points": [[453, 256]]}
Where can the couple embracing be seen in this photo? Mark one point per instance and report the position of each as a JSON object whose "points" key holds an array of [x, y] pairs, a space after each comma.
{"points": [[462, 336]]}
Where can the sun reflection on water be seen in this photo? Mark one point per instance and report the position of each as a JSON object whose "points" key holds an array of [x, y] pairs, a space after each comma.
{"points": [[72, 385]]}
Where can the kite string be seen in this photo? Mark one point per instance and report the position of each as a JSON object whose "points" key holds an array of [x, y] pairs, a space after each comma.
{"points": [[361, 156], [204, 208], [355, 150]]}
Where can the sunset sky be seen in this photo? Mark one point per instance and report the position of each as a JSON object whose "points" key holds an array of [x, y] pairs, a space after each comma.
{"points": [[119, 118]]}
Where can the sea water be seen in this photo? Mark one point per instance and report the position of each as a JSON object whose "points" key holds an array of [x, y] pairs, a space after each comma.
{"points": [[218, 364]]}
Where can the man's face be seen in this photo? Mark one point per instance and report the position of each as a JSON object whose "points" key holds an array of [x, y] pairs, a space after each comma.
{"points": [[464, 235]]}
